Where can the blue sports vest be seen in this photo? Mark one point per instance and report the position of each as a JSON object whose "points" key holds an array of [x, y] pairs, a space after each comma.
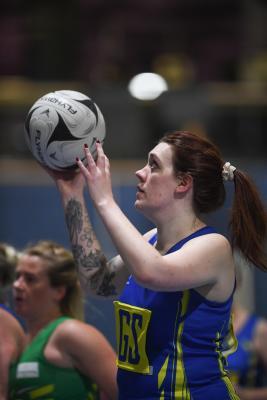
{"points": [[172, 345]]}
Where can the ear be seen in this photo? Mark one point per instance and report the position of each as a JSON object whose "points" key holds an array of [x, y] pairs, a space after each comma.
{"points": [[59, 293], [184, 183]]}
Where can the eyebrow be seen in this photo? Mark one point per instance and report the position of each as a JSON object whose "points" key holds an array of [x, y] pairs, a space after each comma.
{"points": [[153, 156]]}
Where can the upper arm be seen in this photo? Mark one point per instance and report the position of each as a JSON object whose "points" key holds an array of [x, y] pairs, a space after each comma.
{"points": [[91, 354], [11, 344], [198, 263]]}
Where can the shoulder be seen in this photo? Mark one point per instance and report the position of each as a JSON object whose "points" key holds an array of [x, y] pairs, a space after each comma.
{"points": [[210, 260], [212, 243], [82, 343], [73, 332], [11, 333], [9, 322]]}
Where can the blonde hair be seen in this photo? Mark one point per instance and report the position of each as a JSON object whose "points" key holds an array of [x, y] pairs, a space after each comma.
{"points": [[61, 271], [8, 262]]}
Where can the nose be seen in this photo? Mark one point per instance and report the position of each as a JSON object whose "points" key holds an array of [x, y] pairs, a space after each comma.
{"points": [[17, 284], [141, 173]]}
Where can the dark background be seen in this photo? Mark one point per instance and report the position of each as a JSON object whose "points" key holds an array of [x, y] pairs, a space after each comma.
{"points": [[213, 55]]}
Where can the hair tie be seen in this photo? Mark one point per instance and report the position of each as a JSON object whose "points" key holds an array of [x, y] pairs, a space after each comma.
{"points": [[228, 172]]}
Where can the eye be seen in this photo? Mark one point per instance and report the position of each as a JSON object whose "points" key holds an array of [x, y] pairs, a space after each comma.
{"points": [[153, 165], [30, 278]]}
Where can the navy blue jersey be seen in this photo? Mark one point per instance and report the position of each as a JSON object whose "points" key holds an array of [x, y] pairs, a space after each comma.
{"points": [[173, 345]]}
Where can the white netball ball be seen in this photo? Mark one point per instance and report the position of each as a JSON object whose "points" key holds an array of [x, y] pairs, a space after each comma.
{"points": [[59, 124]]}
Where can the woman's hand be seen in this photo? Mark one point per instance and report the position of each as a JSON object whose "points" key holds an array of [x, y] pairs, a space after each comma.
{"points": [[97, 176], [69, 182]]}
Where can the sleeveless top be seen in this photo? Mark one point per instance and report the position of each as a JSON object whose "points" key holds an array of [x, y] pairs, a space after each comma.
{"points": [[33, 377], [244, 365], [173, 345]]}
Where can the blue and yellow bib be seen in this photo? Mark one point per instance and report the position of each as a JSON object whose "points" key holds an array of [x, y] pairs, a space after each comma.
{"points": [[171, 345]]}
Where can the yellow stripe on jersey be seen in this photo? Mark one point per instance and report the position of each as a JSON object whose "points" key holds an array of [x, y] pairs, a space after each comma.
{"points": [[161, 377], [181, 389], [178, 389], [231, 342], [44, 390]]}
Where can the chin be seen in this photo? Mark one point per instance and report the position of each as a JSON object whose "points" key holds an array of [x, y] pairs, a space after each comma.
{"points": [[19, 310], [140, 207], [137, 205]]}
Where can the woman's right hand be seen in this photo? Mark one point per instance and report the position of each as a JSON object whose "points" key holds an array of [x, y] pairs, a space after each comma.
{"points": [[69, 182]]}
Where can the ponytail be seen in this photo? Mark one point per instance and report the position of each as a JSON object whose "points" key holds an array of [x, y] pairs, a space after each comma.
{"points": [[248, 221]]}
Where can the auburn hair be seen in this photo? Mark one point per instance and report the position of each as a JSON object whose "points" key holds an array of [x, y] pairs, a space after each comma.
{"points": [[199, 157]]}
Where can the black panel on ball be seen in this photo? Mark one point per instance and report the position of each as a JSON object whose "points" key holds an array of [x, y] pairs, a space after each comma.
{"points": [[61, 132], [91, 105], [27, 121]]}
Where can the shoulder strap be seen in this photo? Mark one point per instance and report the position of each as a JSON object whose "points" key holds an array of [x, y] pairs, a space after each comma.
{"points": [[43, 336], [203, 231]]}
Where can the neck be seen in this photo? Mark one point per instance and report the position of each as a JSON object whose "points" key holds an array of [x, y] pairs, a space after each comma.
{"points": [[176, 230]]}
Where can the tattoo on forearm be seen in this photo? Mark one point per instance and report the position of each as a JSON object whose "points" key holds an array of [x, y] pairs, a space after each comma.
{"points": [[94, 260], [74, 219], [82, 240]]}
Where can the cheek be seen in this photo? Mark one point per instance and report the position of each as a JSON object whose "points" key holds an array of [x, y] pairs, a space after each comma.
{"points": [[39, 295]]}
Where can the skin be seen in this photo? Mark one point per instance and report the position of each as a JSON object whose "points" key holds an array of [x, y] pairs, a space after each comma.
{"points": [[167, 201], [73, 344], [12, 343]]}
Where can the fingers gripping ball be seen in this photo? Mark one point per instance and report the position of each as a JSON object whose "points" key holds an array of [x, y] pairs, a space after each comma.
{"points": [[58, 126]]}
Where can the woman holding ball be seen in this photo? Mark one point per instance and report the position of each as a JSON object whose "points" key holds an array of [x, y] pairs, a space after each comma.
{"points": [[175, 283]]}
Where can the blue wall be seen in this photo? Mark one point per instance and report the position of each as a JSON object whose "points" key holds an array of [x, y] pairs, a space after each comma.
{"points": [[30, 213]]}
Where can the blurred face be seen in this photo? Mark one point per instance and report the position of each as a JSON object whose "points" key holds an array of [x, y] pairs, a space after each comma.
{"points": [[157, 182], [33, 295]]}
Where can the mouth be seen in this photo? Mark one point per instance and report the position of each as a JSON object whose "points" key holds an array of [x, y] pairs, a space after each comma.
{"points": [[139, 193], [18, 300], [139, 189]]}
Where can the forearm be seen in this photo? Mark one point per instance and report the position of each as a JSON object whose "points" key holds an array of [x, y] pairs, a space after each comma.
{"points": [[90, 260]]}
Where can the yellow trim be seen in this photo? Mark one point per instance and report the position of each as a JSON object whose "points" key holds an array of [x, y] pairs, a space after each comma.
{"points": [[231, 340], [224, 377], [44, 390], [181, 390], [161, 377]]}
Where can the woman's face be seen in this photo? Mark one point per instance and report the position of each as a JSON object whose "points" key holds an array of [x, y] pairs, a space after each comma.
{"points": [[33, 294], [157, 182]]}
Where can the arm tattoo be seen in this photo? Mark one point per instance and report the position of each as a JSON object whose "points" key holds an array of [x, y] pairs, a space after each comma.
{"points": [[74, 219], [107, 288], [88, 257]]}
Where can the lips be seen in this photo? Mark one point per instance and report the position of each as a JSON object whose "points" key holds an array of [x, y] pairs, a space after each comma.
{"points": [[18, 299], [139, 189]]}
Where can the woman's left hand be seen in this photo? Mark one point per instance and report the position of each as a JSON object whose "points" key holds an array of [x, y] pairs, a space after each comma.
{"points": [[97, 176]]}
